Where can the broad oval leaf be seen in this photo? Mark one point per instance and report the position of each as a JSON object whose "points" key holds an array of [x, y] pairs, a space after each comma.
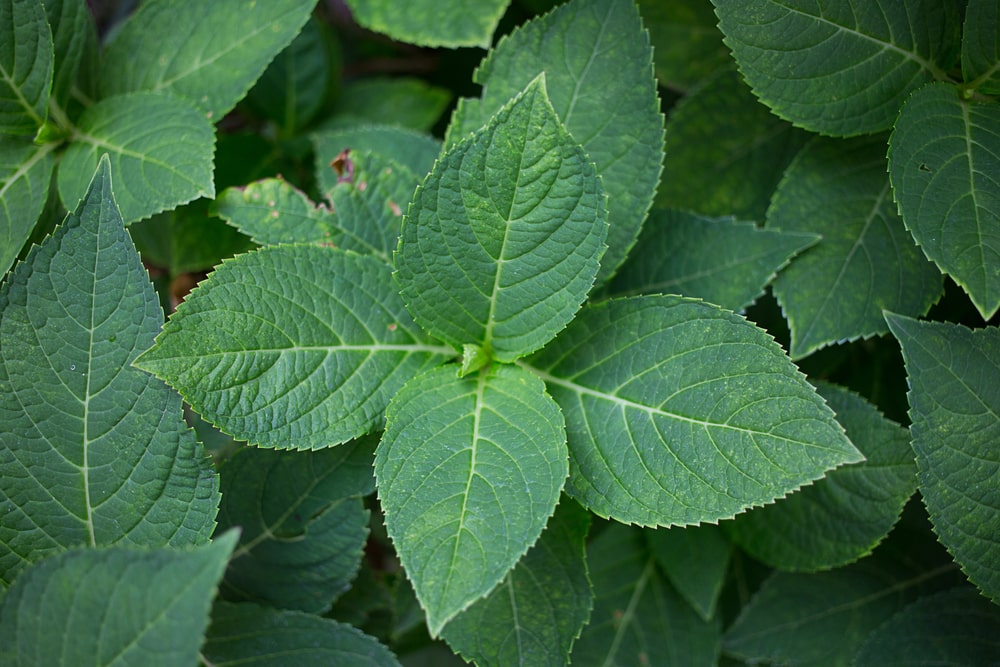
{"points": [[272, 211], [450, 23], [839, 68], [161, 151], [503, 239], [955, 409], [981, 46], [469, 471], [92, 451], [26, 66], [25, 174], [944, 163], [297, 346], [679, 412]]}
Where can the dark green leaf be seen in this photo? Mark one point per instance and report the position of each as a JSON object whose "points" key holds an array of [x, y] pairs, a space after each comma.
{"points": [[405, 101], [695, 560], [25, 174], [73, 31], [450, 23], [687, 45], [981, 46], [26, 65]]}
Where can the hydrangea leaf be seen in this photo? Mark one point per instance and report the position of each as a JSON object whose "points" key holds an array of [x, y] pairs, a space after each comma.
{"points": [[414, 150], [272, 211], [409, 102], [679, 412], [450, 23], [25, 174], [687, 44], [26, 66], [981, 46], [695, 560], [73, 33]]}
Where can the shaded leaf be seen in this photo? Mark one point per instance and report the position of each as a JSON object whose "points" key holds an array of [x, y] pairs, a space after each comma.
{"points": [[272, 211], [695, 560], [25, 173], [26, 65], [981, 46], [413, 150], [687, 45], [450, 23], [73, 32], [405, 101]]}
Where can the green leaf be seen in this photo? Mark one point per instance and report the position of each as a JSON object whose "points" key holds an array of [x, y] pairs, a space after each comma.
{"points": [[503, 239], [292, 346], [695, 560], [25, 66], [981, 46], [92, 451], [302, 522], [679, 412], [73, 31], [114, 606], [272, 211], [866, 263], [413, 150], [834, 67], [160, 147], [721, 260], [727, 151], [687, 45], [187, 239], [638, 618], [450, 23], [210, 53], [537, 611], [246, 635], [843, 516], [25, 173], [944, 156], [405, 101], [469, 470], [956, 627], [955, 410], [609, 105]]}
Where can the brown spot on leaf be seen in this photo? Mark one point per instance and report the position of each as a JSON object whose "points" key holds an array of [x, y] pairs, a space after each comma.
{"points": [[344, 166]]}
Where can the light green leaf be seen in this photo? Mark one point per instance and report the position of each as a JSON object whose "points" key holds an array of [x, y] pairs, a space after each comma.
{"points": [[73, 31], [503, 239], [638, 618], [92, 451], [413, 150], [245, 635], [405, 101], [687, 45], [955, 410], [727, 151], [695, 560], [25, 173], [160, 147], [537, 611], [302, 523], [272, 211], [208, 52], [292, 346], [469, 470], [866, 263], [981, 46], [450, 23], [944, 161], [721, 260], [835, 67], [25, 66], [116, 606], [679, 412], [956, 627], [609, 105], [843, 516]]}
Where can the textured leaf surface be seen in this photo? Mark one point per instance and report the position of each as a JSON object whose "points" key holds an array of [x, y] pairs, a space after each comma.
{"points": [[469, 471], [25, 173], [292, 346], [302, 523], [73, 33], [834, 67], [687, 45], [537, 611], [272, 211], [721, 260], [638, 618], [412, 149], [944, 162], [92, 451], [503, 239], [981, 46], [409, 102], [161, 152], [955, 410], [695, 560], [210, 53], [679, 412], [844, 515], [866, 263], [247, 635], [609, 105], [25, 66], [115, 606], [450, 23]]}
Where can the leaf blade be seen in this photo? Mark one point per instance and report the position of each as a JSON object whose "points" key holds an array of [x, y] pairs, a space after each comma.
{"points": [[26, 67]]}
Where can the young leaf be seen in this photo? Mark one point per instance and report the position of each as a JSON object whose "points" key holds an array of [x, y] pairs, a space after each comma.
{"points": [[679, 412], [838, 68], [160, 147], [25, 66], [469, 470], [272, 211], [92, 451], [981, 46], [955, 409], [944, 156], [25, 174], [866, 262], [208, 52], [411, 149], [503, 239], [538, 610], [695, 560], [293, 346], [609, 105], [450, 23], [115, 606]]}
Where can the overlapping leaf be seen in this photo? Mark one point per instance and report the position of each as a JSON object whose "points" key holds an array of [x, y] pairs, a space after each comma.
{"points": [[687, 45], [981, 46], [25, 173], [292, 346], [25, 66], [408, 102], [73, 33], [695, 560], [450, 23], [469, 471], [272, 211], [412, 149], [679, 412]]}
